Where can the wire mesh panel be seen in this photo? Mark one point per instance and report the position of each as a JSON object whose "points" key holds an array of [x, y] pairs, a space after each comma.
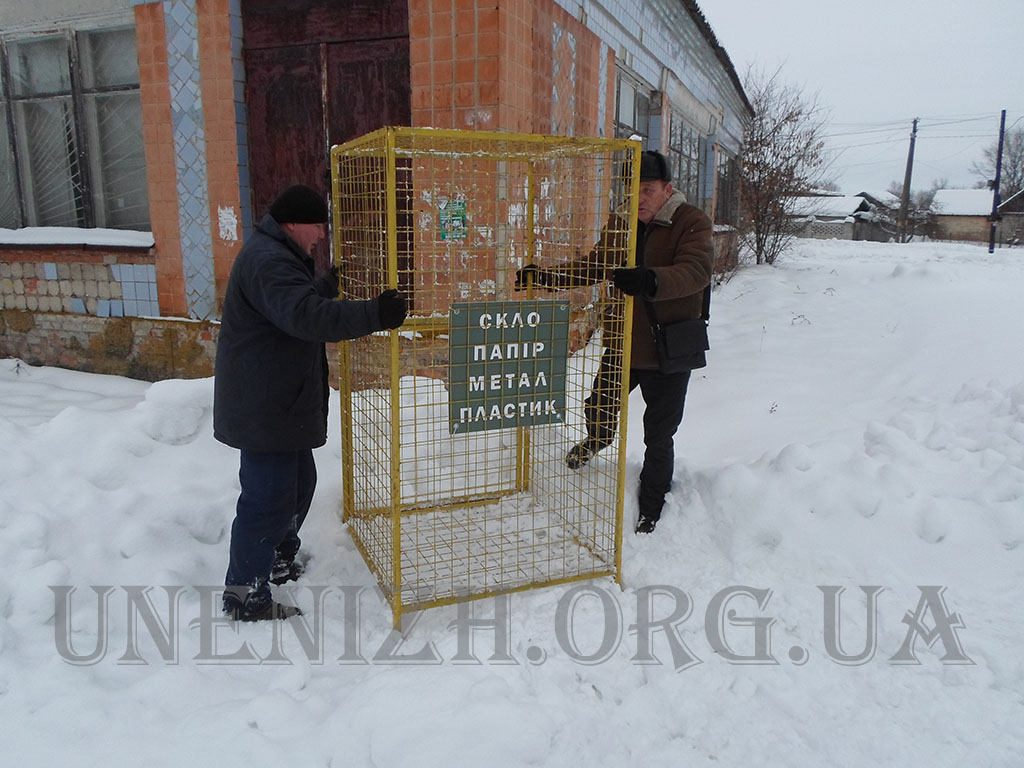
{"points": [[456, 427]]}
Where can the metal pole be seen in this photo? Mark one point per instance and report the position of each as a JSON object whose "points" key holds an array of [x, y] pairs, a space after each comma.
{"points": [[995, 191]]}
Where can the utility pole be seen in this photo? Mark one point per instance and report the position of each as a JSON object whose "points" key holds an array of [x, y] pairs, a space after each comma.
{"points": [[995, 187], [905, 199]]}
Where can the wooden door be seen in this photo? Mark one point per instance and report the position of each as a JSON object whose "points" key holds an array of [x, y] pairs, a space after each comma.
{"points": [[319, 72]]}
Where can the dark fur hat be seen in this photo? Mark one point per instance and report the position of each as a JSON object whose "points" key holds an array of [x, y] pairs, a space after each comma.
{"points": [[654, 167]]}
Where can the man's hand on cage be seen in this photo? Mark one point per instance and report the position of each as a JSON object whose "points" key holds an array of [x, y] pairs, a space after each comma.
{"points": [[391, 309], [636, 281], [531, 274]]}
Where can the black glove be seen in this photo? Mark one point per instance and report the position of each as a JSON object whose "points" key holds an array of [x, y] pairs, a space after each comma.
{"points": [[636, 281], [327, 283], [541, 278], [391, 309]]}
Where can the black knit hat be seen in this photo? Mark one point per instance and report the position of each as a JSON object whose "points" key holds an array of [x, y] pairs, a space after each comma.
{"points": [[299, 205], [654, 167]]}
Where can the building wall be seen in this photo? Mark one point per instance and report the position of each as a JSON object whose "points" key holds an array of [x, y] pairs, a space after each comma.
{"points": [[969, 228], [541, 66], [41, 13]]}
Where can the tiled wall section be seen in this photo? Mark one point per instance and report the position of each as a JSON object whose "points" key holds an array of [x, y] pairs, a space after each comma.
{"points": [[563, 90], [104, 286], [189, 137]]}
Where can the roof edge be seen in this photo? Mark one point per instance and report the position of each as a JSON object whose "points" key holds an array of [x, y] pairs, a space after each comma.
{"points": [[720, 53]]}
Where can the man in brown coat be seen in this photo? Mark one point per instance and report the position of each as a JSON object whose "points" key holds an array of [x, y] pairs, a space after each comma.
{"points": [[674, 258]]}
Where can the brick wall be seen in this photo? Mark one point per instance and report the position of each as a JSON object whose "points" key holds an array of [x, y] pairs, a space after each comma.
{"points": [[967, 228], [223, 88], [517, 65], [151, 36], [142, 348]]}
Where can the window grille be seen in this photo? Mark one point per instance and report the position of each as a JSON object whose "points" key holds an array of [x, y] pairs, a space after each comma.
{"points": [[71, 149]]}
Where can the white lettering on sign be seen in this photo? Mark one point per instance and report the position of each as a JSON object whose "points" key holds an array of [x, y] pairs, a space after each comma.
{"points": [[523, 351], [510, 369], [508, 411], [502, 320], [507, 381]]}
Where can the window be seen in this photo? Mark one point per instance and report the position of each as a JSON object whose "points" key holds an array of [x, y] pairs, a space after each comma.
{"points": [[632, 109], [71, 150], [727, 201], [684, 157]]}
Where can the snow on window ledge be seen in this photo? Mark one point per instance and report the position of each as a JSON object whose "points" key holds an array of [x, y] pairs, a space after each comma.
{"points": [[76, 236]]}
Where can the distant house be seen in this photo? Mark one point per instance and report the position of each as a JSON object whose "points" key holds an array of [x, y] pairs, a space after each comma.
{"points": [[883, 202], [962, 214], [851, 217], [1010, 230]]}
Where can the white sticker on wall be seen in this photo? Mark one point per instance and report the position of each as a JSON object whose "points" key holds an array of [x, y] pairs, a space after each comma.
{"points": [[227, 220]]}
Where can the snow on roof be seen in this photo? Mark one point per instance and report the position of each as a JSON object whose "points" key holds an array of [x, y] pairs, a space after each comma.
{"points": [[962, 202], [123, 238], [829, 206], [887, 199]]}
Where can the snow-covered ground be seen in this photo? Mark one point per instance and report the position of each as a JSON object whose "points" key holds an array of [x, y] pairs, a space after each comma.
{"points": [[860, 426]]}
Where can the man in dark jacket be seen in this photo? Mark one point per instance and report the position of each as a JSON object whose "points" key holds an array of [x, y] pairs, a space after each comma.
{"points": [[271, 390], [674, 258]]}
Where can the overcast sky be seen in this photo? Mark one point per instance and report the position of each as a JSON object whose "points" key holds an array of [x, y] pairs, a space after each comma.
{"points": [[878, 64]]}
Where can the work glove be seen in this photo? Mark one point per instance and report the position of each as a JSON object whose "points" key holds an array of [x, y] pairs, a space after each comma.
{"points": [[327, 283], [391, 309], [540, 278], [636, 281]]}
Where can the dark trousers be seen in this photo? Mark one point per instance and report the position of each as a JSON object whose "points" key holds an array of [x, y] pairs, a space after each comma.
{"points": [[664, 396], [277, 489]]}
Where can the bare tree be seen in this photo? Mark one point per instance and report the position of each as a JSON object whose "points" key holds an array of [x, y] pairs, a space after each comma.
{"points": [[783, 156], [919, 214], [1011, 179]]}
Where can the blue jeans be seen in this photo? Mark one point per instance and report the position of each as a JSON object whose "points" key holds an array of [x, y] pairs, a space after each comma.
{"points": [[277, 489]]}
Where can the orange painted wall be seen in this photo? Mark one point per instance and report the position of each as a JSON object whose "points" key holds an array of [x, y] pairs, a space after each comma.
{"points": [[218, 89], [161, 177]]}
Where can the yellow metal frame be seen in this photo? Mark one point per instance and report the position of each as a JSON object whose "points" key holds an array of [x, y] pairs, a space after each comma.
{"points": [[389, 146]]}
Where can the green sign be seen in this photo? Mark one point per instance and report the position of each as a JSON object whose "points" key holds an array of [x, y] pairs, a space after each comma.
{"points": [[507, 364], [451, 219]]}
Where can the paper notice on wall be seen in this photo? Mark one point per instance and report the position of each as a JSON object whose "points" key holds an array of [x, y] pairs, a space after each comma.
{"points": [[227, 221]]}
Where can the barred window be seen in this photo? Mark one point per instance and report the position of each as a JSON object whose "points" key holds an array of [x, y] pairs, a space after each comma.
{"points": [[72, 152], [684, 157], [727, 202]]}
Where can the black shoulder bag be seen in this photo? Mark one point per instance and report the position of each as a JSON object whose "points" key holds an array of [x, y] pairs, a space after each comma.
{"points": [[681, 345]]}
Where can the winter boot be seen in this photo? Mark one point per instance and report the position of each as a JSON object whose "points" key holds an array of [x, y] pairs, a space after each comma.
{"points": [[285, 571], [581, 453], [646, 523], [255, 607]]}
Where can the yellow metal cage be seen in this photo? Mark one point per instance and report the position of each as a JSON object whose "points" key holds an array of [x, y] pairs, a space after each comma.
{"points": [[456, 426]]}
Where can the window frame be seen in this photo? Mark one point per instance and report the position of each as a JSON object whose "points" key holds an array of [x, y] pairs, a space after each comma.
{"points": [[640, 89], [685, 153], [726, 189], [83, 147]]}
